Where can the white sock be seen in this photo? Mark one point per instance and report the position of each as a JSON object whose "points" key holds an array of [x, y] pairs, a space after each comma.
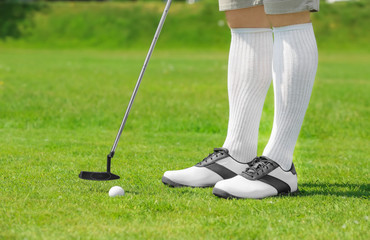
{"points": [[249, 77], [294, 68]]}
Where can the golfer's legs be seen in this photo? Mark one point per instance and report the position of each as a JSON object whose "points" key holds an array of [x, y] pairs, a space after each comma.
{"points": [[249, 77], [294, 70]]}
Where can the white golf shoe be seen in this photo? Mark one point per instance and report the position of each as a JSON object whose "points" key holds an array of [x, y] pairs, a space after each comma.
{"points": [[263, 178], [218, 166]]}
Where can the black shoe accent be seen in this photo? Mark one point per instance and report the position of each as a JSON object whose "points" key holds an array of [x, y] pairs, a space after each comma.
{"points": [[218, 154], [292, 169], [170, 183], [222, 194], [224, 172], [279, 185], [259, 167]]}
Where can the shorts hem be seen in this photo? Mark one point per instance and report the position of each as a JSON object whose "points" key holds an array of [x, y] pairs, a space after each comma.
{"points": [[238, 5], [272, 6], [290, 6]]}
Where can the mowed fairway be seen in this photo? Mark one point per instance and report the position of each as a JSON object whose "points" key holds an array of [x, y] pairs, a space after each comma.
{"points": [[60, 111]]}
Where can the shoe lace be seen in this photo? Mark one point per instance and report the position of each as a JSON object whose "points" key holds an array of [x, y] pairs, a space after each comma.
{"points": [[257, 166], [216, 153]]}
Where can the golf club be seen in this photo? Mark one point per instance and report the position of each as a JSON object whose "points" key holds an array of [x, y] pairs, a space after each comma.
{"points": [[105, 176]]}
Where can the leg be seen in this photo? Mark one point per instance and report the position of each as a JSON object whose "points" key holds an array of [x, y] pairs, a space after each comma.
{"points": [[281, 20], [294, 70], [249, 77], [254, 17]]}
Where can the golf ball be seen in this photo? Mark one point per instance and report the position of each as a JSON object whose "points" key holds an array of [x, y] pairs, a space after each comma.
{"points": [[116, 191]]}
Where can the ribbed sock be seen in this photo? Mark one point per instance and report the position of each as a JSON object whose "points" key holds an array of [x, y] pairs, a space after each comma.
{"points": [[295, 60], [249, 77]]}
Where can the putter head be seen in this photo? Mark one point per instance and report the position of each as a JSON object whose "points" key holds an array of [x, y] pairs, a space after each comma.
{"points": [[98, 176]]}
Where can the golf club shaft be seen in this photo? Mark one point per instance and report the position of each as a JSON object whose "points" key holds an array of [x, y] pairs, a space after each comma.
{"points": [[156, 35]]}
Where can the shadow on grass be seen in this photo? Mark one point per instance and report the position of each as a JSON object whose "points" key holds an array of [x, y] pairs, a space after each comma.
{"points": [[335, 189]]}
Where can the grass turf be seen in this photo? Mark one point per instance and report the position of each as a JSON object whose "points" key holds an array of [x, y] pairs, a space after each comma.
{"points": [[59, 113]]}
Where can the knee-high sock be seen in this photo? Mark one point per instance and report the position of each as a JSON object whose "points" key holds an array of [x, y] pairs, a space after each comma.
{"points": [[249, 77], [295, 61]]}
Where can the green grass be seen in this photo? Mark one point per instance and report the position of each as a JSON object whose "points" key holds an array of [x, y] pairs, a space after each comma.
{"points": [[59, 113]]}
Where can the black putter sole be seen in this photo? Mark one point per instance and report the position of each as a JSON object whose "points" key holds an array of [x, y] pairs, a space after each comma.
{"points": [[98, 176]]}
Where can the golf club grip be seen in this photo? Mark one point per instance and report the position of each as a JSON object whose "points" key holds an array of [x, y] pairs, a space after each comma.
{"points": [[154, 41]]}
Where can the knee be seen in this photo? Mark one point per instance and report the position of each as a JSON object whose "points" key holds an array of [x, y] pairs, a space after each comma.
{"points": [[253, 17], [280, 20]]}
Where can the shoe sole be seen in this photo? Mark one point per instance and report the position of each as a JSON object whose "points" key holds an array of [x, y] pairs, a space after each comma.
{"points": [[173, 184], [223, 194]]}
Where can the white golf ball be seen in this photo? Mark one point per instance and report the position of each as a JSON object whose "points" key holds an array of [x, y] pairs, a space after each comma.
{"points": [[116, 191]]}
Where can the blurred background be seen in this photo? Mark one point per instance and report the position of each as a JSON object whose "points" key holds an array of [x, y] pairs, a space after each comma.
{"points": [[130, 24]]}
